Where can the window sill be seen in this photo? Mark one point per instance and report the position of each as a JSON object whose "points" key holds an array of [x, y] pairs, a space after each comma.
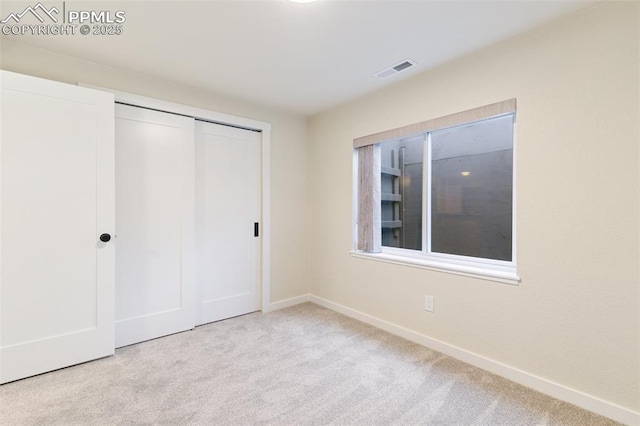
{"points": [[466, 271]]}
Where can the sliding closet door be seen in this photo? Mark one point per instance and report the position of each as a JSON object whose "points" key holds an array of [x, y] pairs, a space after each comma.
{"points": [[56, 202], [155, 293], [227, 217]]}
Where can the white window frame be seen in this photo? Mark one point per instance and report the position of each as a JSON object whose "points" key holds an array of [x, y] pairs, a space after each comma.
{"points": [[486, 269]]}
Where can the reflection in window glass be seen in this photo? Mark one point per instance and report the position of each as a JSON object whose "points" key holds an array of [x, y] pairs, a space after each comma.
{"points": [[401, 198], [471, 189]]}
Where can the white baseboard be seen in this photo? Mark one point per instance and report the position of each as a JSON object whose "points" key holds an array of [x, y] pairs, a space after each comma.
{"points": [[287, 302], [556, 390]]}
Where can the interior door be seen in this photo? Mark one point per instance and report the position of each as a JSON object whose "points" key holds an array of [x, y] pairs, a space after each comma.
{"points": [[155, 260], [227, 221], [56, 199]]}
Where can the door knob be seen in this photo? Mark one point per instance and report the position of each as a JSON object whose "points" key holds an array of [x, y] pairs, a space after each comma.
{"points": [[105, 238]]}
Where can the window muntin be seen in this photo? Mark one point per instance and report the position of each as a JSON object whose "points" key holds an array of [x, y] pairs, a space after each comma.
{"points": [[464, 212]]}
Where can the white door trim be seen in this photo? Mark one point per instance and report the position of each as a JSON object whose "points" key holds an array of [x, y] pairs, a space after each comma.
{"points": [[229, 120]]}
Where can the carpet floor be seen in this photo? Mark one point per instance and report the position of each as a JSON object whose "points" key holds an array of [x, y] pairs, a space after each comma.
{"points": [[304, 365]]}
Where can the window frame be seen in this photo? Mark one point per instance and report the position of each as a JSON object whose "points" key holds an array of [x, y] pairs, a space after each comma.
{"points": [[482, 268]]}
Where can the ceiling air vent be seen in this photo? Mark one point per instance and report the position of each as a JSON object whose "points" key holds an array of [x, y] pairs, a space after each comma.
{"points": [[402, 66]]}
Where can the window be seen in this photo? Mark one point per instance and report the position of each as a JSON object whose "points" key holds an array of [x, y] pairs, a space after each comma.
{"points": [[401, 177], [443, 197]]}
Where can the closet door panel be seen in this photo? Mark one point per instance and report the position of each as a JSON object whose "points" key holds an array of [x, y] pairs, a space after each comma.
{"points": [[57, 277], [154, 220], [228, 205]]}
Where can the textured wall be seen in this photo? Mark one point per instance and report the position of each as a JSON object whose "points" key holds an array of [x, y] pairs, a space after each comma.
{"points": [[574, 319], [289, 272]]}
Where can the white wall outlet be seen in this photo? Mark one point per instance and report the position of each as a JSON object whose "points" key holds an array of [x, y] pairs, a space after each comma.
{"points": [[428, 303]]}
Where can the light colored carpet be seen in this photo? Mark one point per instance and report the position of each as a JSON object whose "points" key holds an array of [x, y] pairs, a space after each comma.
{"points": [[304, 365]]}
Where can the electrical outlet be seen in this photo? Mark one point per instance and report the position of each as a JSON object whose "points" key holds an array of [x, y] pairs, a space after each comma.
{"points": [[428, 303]]}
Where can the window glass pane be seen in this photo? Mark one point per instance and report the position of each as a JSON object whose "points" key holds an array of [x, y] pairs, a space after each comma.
{"points": [[401, 187], [472, 185]]}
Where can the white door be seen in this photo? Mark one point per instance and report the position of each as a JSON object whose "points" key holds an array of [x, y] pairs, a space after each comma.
{"points": [[155, 260], [56, 199], [227, 215]]}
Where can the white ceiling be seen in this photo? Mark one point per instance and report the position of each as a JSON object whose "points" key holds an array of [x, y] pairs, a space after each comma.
{"points": [[302, 58]]}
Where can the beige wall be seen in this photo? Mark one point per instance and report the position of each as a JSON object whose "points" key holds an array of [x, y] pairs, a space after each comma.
{"points": [[289, 272], [574, 319]]}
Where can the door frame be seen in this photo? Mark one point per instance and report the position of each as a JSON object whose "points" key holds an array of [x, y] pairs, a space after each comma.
{"points": [[234, 121]]}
